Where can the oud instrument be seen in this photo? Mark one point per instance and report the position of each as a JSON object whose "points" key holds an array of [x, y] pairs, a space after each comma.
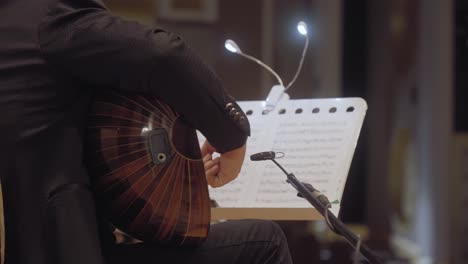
{"points": [[145, 163]]}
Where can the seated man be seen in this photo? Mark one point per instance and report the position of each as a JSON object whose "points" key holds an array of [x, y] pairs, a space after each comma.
{"points": [[54, 55]]}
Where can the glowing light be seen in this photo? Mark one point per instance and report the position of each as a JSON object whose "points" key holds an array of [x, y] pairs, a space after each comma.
{"points": [[302, 28], [232, 46]]}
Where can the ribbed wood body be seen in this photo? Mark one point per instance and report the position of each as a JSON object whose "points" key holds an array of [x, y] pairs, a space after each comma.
{"points": [[164, 203]]}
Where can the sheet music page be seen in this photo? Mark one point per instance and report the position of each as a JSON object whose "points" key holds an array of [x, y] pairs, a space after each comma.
{"points": [[318, 138]]}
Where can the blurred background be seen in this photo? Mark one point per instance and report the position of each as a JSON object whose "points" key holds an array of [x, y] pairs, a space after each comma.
{"points": [[407, 58]]}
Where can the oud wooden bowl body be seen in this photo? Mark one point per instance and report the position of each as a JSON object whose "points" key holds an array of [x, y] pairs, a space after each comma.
{"points": [[165, 203]]}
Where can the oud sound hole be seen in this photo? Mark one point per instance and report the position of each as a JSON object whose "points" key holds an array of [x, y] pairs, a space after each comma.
{"points": [[162, 157]]}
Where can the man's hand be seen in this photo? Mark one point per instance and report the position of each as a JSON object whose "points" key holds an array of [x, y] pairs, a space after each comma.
{"points": [[222, 170]]}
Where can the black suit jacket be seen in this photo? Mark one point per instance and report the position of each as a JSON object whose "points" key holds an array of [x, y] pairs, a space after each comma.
{"points": [[54, 54]]}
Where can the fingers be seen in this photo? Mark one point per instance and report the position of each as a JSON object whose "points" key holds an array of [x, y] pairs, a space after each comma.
{"points": [[223, 169], [211, 173], [206, 157], [209, 163], [215, 180], [207, 149], [214, 176], [211, 167]]}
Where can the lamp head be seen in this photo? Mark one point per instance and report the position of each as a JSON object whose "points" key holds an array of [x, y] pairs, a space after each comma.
{"points": [[232, 46], [302, 28]]}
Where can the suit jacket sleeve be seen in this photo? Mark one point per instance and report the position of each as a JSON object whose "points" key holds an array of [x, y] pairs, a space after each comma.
{"points": [[84, 39]]}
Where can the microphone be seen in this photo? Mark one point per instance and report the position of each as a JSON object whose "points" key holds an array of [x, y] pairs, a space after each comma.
{"points": [[267, 155]]}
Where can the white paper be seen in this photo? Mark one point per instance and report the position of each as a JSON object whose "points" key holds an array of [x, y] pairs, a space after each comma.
{"points": [[318, 149]]}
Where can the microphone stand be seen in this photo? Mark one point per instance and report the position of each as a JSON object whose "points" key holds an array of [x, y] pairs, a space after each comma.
{"points": [[321, 204]]}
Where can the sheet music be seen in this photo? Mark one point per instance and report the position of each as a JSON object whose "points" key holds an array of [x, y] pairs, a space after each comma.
{"points": [[318, 137]]}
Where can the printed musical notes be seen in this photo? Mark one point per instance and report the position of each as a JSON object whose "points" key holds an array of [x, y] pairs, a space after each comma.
{"points": [[318, 144]]}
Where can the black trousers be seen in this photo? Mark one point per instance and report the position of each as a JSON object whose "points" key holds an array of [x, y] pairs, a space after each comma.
{"points": [[243, 241]]}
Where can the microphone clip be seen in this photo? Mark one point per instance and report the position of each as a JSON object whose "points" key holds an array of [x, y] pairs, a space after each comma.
{"points": [[276, 95]]}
